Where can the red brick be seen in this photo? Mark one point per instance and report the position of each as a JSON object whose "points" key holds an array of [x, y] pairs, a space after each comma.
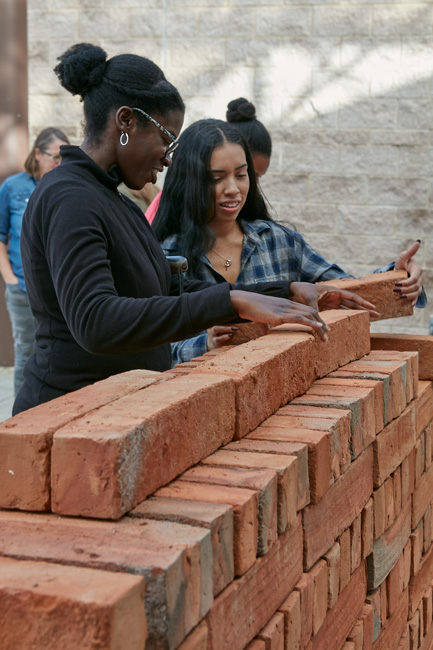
{"points": [[305, 587], [336, 421], [319, 460], [291, 608], [349, 386], [423, 344], [260, 370], [383, 604], [389, 502], [245, 507], [259, 592], [427, 521], [388, 548], [427, 641], [47, 606], [407, 476], [355, 544], [373, 621], [405, 640], [395, 625], [427, 610], [414, 631], [173, 558], [348, 339], [359, 401], [262, 481], [120, 454], [428, 433], [420, 581], [216, 517], [398, 374], [26, 439], [341, 618], [407, 563], [367, 528], [410, 374], [286, 468], [366, 617], [393, 444], [297, 449], [247, 332], [419, 457], [396, 484], [332, 559], [421, 623], [256, 644], [197, 640], [356, 636], [273, 633], [417, 543], [319, 573], [422, 496], [424, 406], [395, 585], [341, 504], [378, 288], [345, 559], [379, 502]]}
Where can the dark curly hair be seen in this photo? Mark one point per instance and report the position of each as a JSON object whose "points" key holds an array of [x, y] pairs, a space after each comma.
{"points": [[105, 85], [242, 114], [187, 202]]}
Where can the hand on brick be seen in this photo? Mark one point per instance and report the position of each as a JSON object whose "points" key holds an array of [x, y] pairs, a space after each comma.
{"points": [[261, 308], [411, 288], [219, 335], [323, 297]]}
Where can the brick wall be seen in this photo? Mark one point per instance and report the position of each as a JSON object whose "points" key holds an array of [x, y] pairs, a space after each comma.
{"points": [[345, 89], [275, 495]]}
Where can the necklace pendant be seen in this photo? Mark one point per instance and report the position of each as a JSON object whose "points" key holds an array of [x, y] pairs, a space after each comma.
{"points": [[228, 263]]}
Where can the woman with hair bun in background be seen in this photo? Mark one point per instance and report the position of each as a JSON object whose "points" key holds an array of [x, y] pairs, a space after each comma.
{"points": [[14, 195], [99, 285], [242, 114]]}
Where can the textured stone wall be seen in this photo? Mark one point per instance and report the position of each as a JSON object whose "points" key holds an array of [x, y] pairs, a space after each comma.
{"points": [[345, 89]]}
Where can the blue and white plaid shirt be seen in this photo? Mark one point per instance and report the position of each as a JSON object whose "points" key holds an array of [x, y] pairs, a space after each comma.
{"points": [[270, 252]]}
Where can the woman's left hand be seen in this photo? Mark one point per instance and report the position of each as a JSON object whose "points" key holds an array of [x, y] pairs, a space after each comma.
{"points": [[412, 287], [323, 297]]}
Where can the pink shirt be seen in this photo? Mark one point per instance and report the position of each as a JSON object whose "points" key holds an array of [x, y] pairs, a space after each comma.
{"points": [[153, 208]]}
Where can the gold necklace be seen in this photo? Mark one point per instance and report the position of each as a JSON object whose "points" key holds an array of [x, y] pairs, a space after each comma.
{"points": [[227, 261]]}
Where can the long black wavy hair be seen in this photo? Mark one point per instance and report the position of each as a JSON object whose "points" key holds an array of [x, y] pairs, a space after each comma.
{"points": [[187, 203], [105, 85]]}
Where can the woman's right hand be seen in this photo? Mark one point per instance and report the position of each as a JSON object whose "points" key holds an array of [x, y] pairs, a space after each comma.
{"points": [[261, 308]]}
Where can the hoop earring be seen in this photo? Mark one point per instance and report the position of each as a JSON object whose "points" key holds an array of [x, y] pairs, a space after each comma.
{"points": [[121, 138]]}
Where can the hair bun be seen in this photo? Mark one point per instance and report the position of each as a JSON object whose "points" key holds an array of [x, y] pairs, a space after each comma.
{"points": [[81, 68], [240, 110]]}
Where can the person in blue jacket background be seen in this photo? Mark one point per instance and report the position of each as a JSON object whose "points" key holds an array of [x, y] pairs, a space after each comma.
{"points": [[14, 195]]}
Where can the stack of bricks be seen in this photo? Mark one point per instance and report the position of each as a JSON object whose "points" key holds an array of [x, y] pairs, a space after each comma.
{"points": [[274, 495]]}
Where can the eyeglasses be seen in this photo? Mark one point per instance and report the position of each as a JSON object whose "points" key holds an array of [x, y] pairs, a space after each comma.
{"points": [[56, 157], [174, 140]]}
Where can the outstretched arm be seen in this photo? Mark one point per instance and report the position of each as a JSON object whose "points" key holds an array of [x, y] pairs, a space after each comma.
{"points": [[322, 297], [261, 308]]}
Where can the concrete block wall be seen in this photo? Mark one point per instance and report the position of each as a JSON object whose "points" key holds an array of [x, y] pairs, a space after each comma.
{"points": [[274, 495], [345, 89]]}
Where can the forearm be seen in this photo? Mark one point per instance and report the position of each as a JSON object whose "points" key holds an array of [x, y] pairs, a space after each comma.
{"points": [[5, 266]]}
